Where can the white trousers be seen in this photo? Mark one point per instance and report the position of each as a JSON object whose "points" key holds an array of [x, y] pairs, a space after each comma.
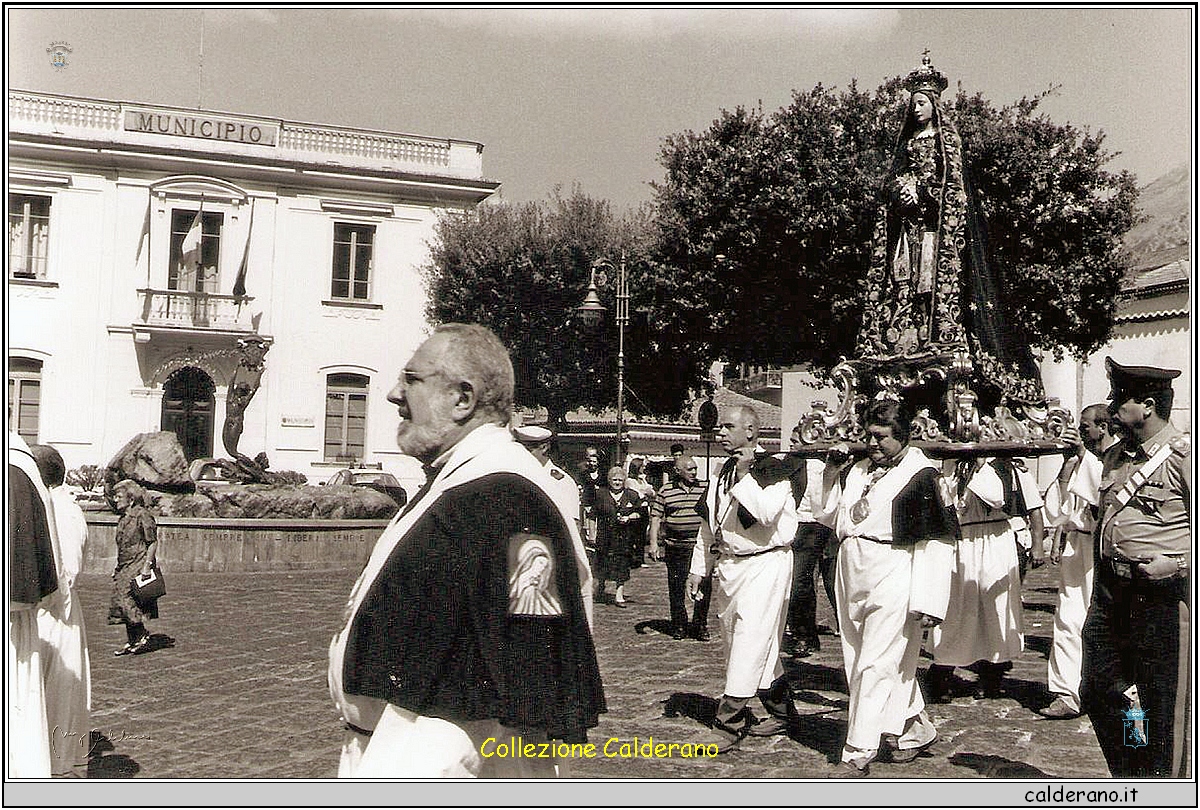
{"points": [[751, 597], [405, 745], [1075, 575], [880, 645]]}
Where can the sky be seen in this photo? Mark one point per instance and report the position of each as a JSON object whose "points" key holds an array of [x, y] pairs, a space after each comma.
{"points": [[586, 95]]}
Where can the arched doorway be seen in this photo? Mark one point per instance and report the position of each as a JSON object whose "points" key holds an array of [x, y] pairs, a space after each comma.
{"points": [[187, 410]]}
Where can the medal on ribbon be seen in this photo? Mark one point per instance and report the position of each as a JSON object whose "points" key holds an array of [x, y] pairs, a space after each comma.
{"points": [[862, 508]]}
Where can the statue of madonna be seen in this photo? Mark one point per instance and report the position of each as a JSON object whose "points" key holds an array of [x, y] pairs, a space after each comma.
{"points": [[930, 289]]}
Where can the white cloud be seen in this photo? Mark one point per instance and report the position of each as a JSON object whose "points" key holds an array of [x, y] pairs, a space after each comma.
{"points": [[802, 24]]}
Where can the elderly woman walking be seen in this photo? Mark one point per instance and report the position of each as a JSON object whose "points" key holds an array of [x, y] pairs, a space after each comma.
{"points": [[137, 544]]}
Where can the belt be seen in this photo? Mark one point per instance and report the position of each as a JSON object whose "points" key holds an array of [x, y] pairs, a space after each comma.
{"points": [[872, 539], [1003, 520], [1127, 571], [360, 731], [761, 551]]}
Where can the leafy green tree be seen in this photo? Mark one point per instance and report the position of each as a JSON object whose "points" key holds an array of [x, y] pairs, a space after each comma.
{"points": [[773, 217], [522, 269]]}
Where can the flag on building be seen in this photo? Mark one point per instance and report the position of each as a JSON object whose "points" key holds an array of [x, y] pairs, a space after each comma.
{"points": [[239, 285], [144, 241], [189, 251]]}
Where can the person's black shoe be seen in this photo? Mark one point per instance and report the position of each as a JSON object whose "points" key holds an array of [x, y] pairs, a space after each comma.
{"points": [[768, 728], [701, 634], [677, 633]]}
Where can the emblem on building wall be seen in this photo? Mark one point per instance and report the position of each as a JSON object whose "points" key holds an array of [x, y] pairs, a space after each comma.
{"points": [[58, 54]]}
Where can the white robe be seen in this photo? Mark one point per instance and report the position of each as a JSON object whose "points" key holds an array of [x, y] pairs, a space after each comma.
{"points": [[879, 586], [64, 653], [1068, 509], [751, 579], [28, 732], [983, 622]]}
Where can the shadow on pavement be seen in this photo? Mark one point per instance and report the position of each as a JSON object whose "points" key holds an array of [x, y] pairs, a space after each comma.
{"points": [[822, 734], [158, 641], [1038, 644], [700, 708], [108, 766], [995, 767], [662, 626], [803, 675]]}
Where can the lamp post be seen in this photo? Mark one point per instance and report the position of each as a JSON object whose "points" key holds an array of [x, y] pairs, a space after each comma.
{"points": [[591, 311]]}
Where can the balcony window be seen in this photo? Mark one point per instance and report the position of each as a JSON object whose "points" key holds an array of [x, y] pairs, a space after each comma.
{"points": [[24, 397], [345, 417], [353, 255], [201, 275], [28, 235]]}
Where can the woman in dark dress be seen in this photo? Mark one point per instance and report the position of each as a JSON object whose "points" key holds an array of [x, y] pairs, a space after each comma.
{"points": [[620, 518], [137, 544]]}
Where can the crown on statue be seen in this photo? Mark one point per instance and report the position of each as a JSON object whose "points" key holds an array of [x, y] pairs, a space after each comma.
{"points": [[926, 78]]}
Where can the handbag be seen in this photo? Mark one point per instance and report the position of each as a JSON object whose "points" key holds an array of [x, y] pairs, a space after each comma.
{"points": [[148, 587]]}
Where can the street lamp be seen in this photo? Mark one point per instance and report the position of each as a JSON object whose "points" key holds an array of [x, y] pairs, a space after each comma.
{"points": [[591, 311]]}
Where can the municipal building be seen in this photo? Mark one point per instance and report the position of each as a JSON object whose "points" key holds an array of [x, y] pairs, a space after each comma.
{"points": [[312, 238]]}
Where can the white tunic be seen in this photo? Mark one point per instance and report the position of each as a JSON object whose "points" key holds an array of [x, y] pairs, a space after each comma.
{"points": [[984, 618], [880, 587], [752, 576], [64, 653], [1069, 509]]}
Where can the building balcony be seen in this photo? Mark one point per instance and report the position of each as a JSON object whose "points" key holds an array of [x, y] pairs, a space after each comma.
{"points": [[194, 312]]}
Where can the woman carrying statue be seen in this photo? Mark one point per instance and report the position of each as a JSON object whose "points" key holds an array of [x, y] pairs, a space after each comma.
{"points": [[930, 289]]}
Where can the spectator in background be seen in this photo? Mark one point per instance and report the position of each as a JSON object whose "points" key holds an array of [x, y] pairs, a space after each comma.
{"points": [[635, 479], [620, 520], [32, 580], [65, 663], [591, 481], [137, 547], [674, 525]]}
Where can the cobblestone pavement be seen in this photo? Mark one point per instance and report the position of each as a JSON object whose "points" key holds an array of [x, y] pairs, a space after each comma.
{"points": [[242, 692]]}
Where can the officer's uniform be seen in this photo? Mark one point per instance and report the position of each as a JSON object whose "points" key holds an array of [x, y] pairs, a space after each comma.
{"points": [[566, 495], [1138, 630]]}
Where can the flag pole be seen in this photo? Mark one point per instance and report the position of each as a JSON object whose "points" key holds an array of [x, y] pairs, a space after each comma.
{"points": [[200, 72]]}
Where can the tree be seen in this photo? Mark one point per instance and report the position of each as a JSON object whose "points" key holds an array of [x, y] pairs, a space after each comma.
{"points": [[522, 269], [774, 217]]}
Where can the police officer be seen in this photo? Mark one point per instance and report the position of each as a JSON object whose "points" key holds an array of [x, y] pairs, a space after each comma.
{"points": [[536, 439], [1136, 670]]}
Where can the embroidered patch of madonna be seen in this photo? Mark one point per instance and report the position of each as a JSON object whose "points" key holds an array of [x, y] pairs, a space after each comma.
{"points": [[532, 585]]}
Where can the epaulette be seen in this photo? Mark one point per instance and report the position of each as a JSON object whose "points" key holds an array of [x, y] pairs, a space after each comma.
{"points": [[559, 474], [1181, 444]]}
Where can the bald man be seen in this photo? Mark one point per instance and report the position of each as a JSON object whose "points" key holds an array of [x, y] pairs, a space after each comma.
{"points": [[749, 521]]}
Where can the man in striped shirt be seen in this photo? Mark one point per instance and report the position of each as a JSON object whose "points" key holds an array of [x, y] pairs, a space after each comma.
{"points": [[675, 521]]}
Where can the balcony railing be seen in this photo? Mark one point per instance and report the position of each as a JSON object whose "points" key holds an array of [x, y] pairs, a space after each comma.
{"points": [[195, 310]]}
